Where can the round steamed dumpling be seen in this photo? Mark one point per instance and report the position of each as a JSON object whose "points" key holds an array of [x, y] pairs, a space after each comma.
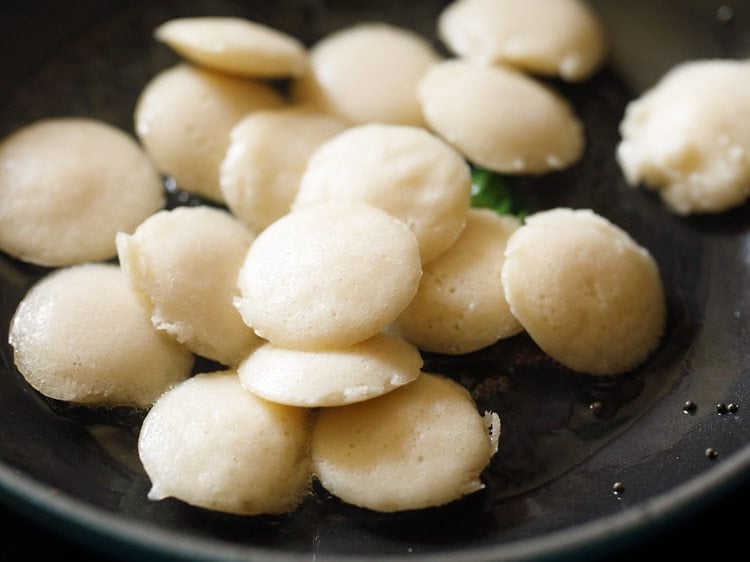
{"points": [[585, 291], [235, 46], [267, 155], [80, 335], [459, 306], [62, 201], [333, 377], [328, 276], [184, 264], [405, 171], [211, 443], [500, 119], [419, 446], [368, 73], [184, 117], [553, 37], [688, 137]]}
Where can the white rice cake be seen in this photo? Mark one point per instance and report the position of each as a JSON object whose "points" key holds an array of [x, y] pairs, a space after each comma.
{"points": [[67, 186], [268, 153], [184, 116], [212, 444], [328, 276], [501, 119], [406, 171], [184, 265], [368, 73], [419, 446], [585, 291], [562, 38], [688, 137], [235, 46], [459, 306], [80, 335], [330, 378]]}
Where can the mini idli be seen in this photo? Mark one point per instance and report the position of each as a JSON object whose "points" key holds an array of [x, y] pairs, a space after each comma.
{"points": [[328, 276], [67, 186], [368, 73], [562, 38], [460, 306], [184, 264], [212, 444], [422, 445], [80, 335], [501, 119], [333, 377], [687, 137], [234, 45], [406, 171], [268, 153], [183, 118], [585, 291]]}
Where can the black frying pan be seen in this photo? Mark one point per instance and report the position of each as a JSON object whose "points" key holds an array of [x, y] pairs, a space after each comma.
{"points": [[567, 438]]}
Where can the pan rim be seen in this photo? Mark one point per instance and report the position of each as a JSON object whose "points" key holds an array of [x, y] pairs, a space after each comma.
{"points": [[109, 532]]}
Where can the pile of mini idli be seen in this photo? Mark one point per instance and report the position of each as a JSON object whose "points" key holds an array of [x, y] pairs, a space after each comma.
{"points": [[346, 245]]}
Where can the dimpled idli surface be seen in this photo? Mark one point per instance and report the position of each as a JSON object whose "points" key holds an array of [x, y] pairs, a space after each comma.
{"points": [[460, 306], [211, 443], [406, 171], [368, 73], [421, 445], [688, 138], [235, 46], [184, 264], [328, 276], [552, 37], [585, 291], [80, 335], [184, 116], [267, 155], [333, 377], [62, 200], [500, 119]]}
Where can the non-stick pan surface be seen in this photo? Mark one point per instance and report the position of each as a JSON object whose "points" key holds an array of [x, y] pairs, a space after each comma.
{"points": [[567, 438]]}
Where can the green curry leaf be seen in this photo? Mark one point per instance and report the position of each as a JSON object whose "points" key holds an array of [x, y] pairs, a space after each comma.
{"points": [[494, 191]]}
